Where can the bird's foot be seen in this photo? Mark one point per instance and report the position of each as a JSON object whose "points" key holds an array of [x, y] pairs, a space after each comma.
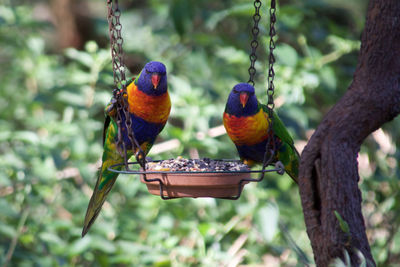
{"points": [[248, 162], [140, 157], [111, 107]]}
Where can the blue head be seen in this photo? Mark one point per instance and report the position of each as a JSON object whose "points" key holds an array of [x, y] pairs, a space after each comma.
{"points": [[242, 101], [153, 78]]}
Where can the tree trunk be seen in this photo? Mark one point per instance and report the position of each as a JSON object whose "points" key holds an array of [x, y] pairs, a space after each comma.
{"points": [[328, 175]]}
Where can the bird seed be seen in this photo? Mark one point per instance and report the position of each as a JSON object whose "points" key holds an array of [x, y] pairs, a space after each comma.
{"points": [[181, 164]]}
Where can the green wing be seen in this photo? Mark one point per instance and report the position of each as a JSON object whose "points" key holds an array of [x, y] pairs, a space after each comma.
{"points": [[279, 128], [288, 154], [106, 124]]}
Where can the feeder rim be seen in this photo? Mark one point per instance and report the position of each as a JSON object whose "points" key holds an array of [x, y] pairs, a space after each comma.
{"points": [[112, 169]]}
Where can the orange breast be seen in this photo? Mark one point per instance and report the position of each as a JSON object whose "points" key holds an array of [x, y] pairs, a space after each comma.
{"points": [[153, 109], [249, 130]]}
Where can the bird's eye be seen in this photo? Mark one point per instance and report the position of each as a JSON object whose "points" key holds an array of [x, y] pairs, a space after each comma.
{"points": [[148, 72], [235, 91]]}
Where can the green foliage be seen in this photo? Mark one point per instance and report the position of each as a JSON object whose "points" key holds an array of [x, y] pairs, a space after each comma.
{"points": [[51, 106]]}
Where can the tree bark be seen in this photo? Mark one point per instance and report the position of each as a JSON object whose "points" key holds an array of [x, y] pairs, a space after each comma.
{"points": [[67, 28], [328, 175], [73, 24]]}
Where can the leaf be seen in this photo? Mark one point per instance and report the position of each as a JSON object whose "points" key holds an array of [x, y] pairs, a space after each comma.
{"points": [[36, 45], [267, 220], [26, 136], [82, 57], [7, 15], [291, 16], [103, 244], [7, 230], [204, 228], [181, 13], [80, 245], [342, 223], [235, 10], [7, 209], [232, 55], [51, 238], [286, 55], [328, 77], [163, 263], [71, 98]]}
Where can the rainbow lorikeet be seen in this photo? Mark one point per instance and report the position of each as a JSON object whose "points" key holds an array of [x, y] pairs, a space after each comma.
{"points": [[149, 107], [246, 122]]}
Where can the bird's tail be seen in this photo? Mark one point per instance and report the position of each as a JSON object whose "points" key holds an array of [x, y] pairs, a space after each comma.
{"points": [[291, 161], [105, 181], [294, 161], [293, 174]]}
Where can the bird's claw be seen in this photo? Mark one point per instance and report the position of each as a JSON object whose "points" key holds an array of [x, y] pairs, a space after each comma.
{"points": [[281, 168], [116, 92], [111, 106]]}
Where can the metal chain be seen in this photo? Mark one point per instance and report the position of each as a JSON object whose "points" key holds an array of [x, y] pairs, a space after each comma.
{"points": [[254, 42], [115, 27], [271, 72], [271, 144], [122, 104], [120, 143]]}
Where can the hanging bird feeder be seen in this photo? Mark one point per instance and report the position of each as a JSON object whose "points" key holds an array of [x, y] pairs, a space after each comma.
{"points": [[182, 177]]}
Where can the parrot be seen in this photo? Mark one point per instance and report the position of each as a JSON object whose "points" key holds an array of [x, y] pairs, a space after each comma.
{"points": [[149, 108], [247, 124]]}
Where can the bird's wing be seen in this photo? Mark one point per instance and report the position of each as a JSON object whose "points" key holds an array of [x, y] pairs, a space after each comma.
{"points": [[106, 124], [279, 128], [111, 110]]}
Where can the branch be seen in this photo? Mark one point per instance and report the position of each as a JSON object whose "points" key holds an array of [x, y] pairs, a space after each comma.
{"points": [[328, 174]]}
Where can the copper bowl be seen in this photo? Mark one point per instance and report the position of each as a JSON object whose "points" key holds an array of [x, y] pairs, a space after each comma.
{"points": [[196, 184]]}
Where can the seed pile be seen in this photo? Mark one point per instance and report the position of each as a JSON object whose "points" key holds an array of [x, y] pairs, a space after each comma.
{"points": [[196, 165]]}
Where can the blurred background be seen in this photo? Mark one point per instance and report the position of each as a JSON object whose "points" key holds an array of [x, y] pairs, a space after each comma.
{"points": [[56, 78]]}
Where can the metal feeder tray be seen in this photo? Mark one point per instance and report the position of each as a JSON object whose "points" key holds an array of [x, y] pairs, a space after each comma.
{"points": [[178, 184]]}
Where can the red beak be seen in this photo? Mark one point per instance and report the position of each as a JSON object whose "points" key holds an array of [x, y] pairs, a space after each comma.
{"points": [[155, 80], [243, 98]]}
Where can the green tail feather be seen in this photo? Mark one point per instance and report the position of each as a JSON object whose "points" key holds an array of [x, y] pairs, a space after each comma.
{"points": [[105, 178], [105, 181]]}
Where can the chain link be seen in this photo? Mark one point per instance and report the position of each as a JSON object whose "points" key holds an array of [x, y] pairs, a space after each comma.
{"points": [[116, 41], [254, 43], [271, 72], [271, 146]]}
